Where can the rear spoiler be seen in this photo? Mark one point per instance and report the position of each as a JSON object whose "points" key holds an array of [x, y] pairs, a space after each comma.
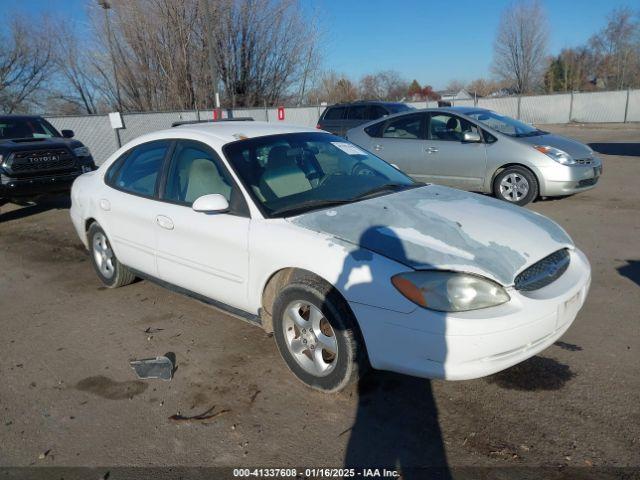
{"points": [[193, 122]]}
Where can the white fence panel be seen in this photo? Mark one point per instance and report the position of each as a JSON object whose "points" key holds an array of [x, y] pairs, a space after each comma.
{"points": [[633, 112], [504, 105], [258, 114], [302, 116], [545, 108], [93, 130], [599, 106], [136, 124]]}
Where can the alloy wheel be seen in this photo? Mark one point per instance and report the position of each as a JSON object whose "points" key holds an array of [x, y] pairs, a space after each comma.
{"points": [[514, 187], [310, 338], [103, 255]]}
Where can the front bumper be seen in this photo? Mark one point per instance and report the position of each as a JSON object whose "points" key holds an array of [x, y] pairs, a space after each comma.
{"points": [[460, 346], [31, 186], [560, 180]]}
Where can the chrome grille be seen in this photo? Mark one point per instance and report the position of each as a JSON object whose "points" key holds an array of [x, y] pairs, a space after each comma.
{"points": [[544, 272]]}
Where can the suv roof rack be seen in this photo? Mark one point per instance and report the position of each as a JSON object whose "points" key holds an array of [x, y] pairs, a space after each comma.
{"points": [[192, 122]]}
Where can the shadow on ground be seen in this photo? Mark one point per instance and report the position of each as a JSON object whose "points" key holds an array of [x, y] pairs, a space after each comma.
{"points": [[631, 270], [628, 149], [33, 208], [388, 434], [536, 373]]}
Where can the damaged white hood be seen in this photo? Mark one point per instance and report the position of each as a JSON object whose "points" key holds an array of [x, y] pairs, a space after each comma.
{"points": [[435, 227]]}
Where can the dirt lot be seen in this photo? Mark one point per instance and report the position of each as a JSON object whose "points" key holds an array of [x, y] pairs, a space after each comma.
{"points": [[67, 389]]}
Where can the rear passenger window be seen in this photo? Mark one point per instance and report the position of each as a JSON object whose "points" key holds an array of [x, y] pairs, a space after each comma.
{"points": [[406, 126], [376, 111], [374, 130], [335, 113], [358, 112], [140, 170]]}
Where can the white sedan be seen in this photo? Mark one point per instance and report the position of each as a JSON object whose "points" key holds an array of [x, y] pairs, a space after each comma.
{"points": [[348, 261]]}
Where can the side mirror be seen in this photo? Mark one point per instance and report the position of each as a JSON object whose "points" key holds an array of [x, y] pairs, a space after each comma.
{"points": [[67, 133], [471, 137], [212, 203]]}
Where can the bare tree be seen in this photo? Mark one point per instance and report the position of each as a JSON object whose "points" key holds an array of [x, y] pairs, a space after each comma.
{"points": [[454, 86], [483, 87], [384, 85], [521, 44], [333, 88], [617, 50], [25, 62]]}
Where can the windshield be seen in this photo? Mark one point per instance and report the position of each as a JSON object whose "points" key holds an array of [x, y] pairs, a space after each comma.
{"points": [[11, 128], [508, 126], [297, 172]]}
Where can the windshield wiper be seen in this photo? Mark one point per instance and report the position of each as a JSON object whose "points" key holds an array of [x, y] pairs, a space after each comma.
{"points": [[535, 133], [387, 187], [309, 205]]}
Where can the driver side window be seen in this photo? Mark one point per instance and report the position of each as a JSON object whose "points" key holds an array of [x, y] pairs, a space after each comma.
{"points": [[448, 127], [194, 172]]}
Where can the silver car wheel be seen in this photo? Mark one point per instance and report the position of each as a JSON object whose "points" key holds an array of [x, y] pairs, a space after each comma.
{"points": [[310, 338], [103, 255], [514, 187]]}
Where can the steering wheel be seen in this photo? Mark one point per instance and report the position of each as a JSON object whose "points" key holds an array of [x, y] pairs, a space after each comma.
{"points": [[361, 168]]}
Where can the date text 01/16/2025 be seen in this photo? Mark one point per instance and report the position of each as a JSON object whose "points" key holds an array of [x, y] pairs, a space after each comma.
{"points": [[315, 472]]}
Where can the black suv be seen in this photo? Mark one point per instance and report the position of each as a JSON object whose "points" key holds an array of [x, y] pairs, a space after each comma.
{"points": [[36, 159], [341, 117]]}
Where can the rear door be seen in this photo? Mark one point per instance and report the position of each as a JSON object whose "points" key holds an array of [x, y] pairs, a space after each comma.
{"points": [[127, 207], [333, 119], [356, 115], [448, 160], [401, 141]]}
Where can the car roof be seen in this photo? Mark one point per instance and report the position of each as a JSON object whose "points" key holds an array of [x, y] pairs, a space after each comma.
{"points": [[226, 132], [18, 116], [365, 102]]}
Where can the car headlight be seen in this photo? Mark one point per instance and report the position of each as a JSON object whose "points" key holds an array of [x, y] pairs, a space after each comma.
{"points": [[556, 154], [449, 291], [81, 152]]}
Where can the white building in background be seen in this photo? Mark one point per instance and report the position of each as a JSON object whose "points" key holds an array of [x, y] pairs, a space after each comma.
{"points": [[452, 96]]}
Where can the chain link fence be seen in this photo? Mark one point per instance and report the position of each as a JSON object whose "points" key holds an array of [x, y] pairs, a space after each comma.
{"points": [[593, 107]]}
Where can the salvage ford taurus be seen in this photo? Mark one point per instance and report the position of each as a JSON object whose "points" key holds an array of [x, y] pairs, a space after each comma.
{"points": [[349, 262]]}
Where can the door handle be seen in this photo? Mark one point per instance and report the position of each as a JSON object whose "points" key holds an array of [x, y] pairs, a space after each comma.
{"points": [[378, 147], [105, 204], [164, 222], [431, 150]]}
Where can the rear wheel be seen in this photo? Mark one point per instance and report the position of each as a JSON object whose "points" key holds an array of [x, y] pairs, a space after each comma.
{"points": [[317, 335], [110, 271], [516, 185]]}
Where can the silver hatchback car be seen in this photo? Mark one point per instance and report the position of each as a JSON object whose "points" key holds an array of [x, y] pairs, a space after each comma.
{"points": [[480, 150]]}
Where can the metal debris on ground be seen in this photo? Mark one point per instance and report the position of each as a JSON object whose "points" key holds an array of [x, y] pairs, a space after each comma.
{"points": [[158, 367], [202, 417]]}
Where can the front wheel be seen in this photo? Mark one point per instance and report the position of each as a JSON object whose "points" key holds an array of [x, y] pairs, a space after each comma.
{"points": [[317, 336], [516, 185], [110, 271]]}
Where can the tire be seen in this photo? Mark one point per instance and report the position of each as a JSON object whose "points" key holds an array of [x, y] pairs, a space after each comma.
{"points": [[517, 185], [326, 316], [110, 271]]}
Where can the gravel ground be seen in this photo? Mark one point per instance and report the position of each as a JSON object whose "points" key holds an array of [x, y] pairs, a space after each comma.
{"points": [[67, 389]]}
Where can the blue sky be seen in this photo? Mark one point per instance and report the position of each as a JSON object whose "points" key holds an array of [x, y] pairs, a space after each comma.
{"points": [[432, 41]]}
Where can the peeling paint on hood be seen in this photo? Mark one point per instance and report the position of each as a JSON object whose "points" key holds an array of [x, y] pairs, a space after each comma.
{"points": [[435, 227]]}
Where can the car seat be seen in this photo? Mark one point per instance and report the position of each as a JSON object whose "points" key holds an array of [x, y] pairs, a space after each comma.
{"points": [[204, 179], [282, 176]]}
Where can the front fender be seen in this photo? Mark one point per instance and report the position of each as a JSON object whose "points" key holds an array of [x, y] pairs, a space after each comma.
{"points": [[360, 275]]}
